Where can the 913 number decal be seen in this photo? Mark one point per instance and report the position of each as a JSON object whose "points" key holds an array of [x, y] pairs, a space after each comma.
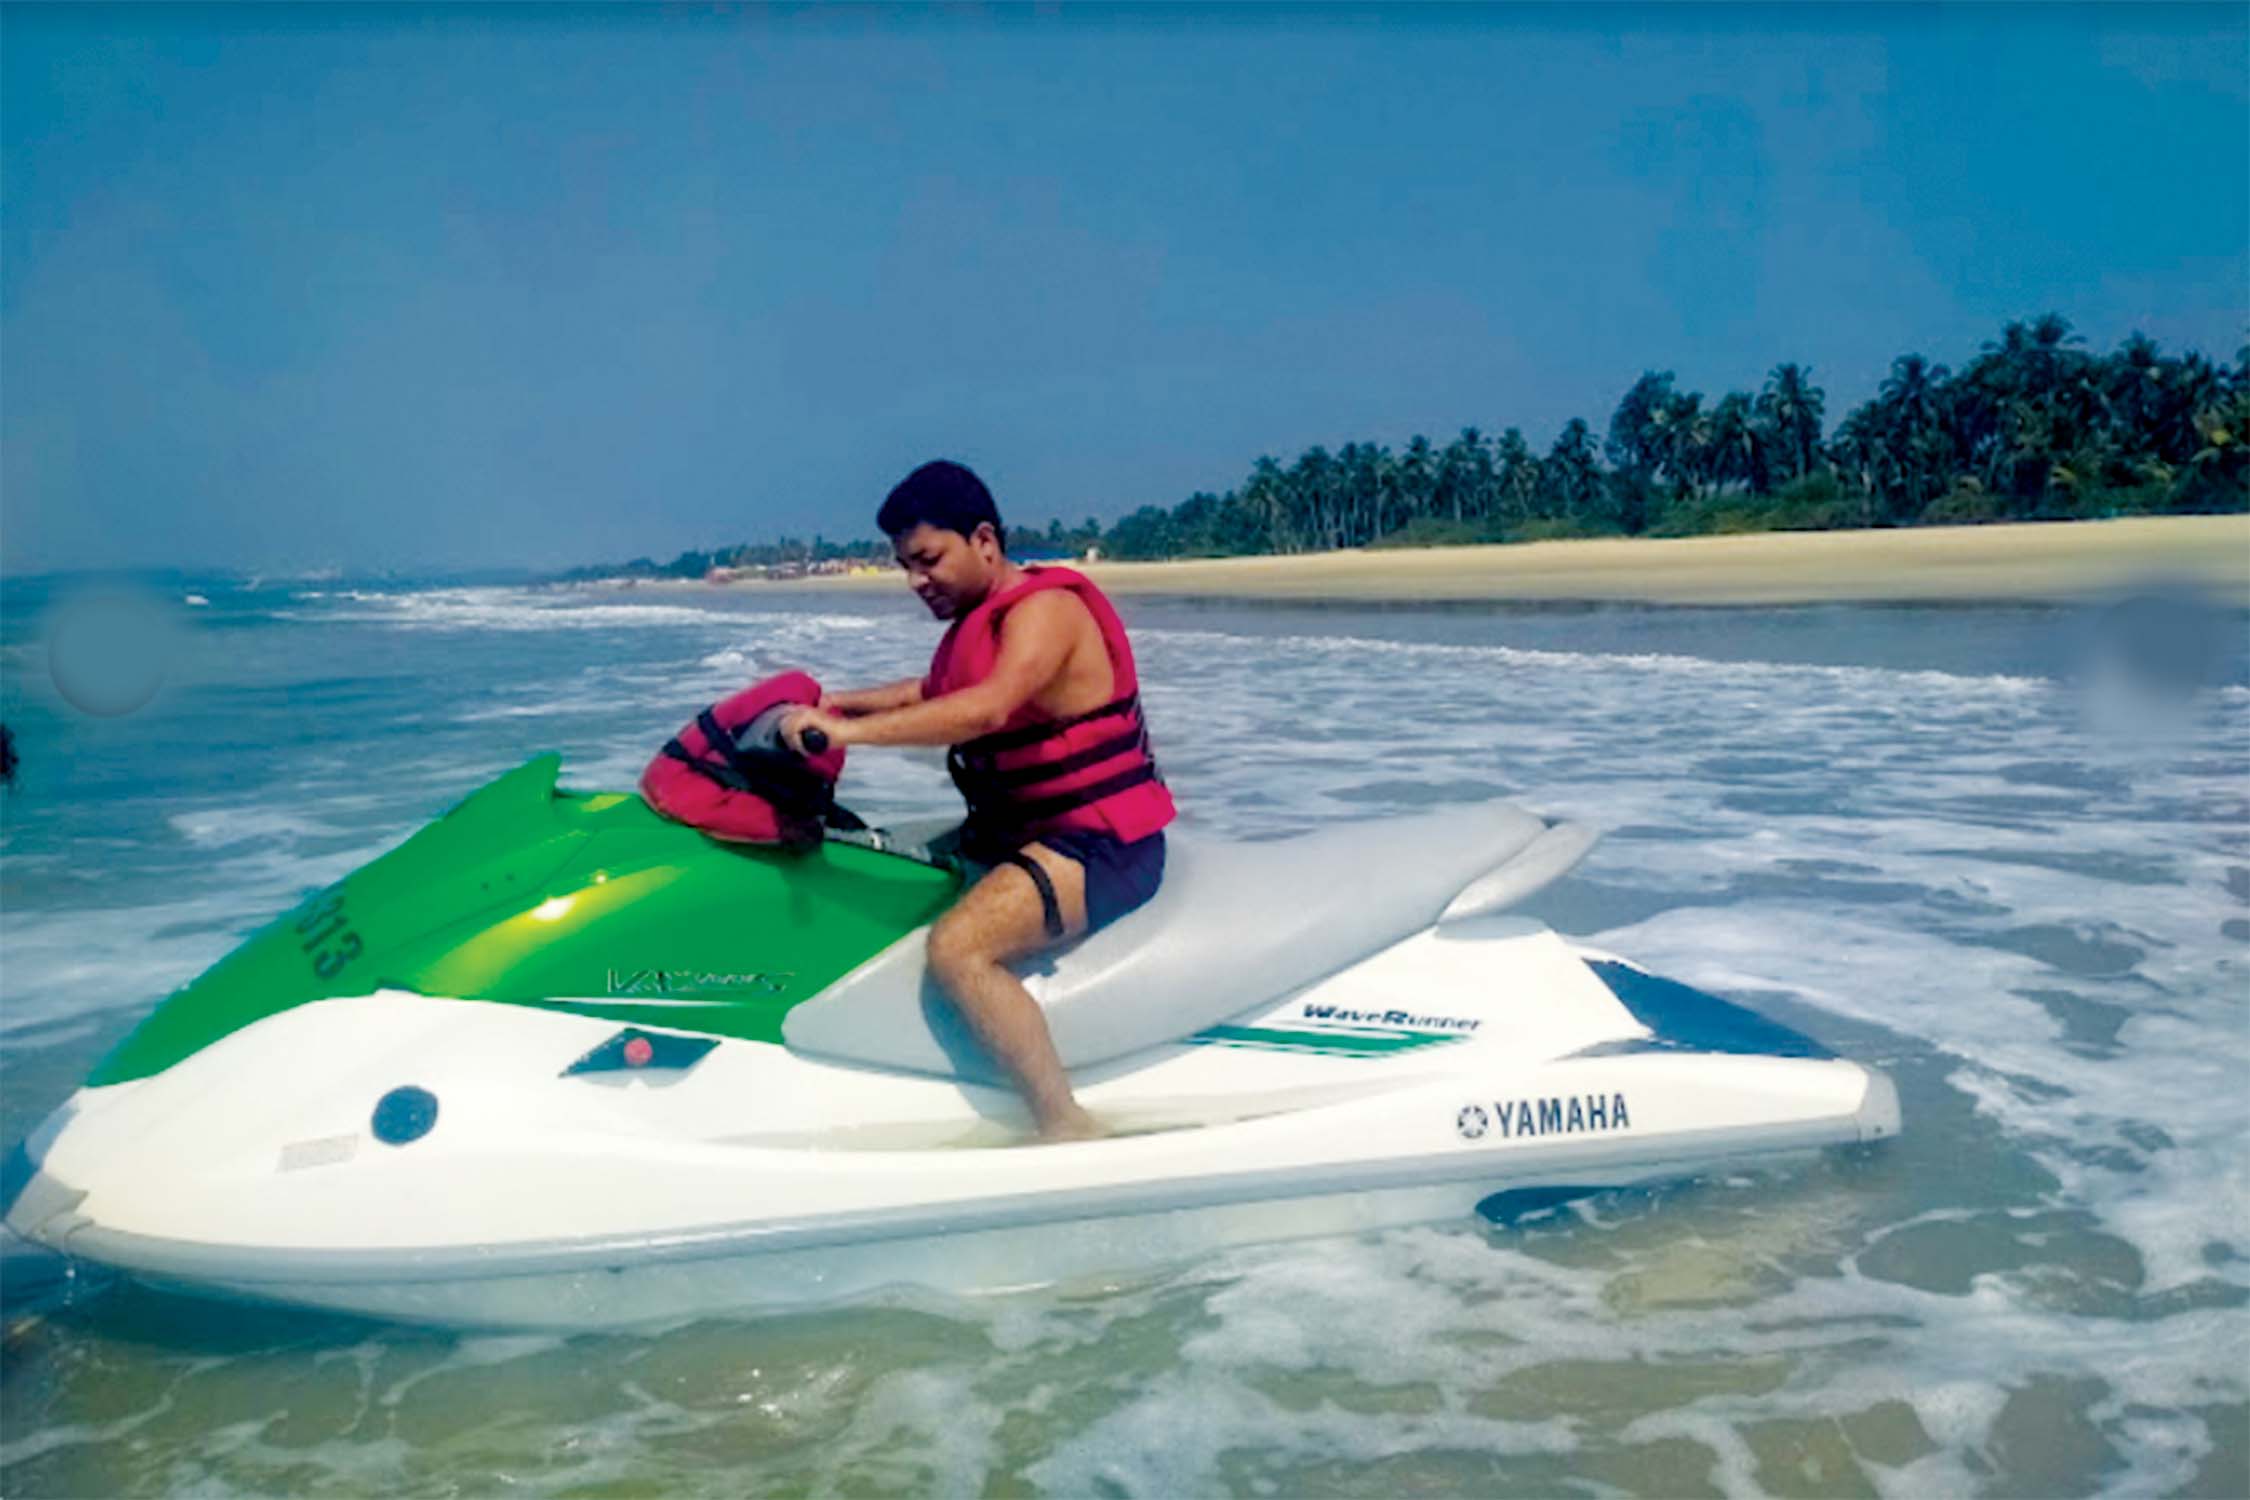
{"points": [[326, 935]]}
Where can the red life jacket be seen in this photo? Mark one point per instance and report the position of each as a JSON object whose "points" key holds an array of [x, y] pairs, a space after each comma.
{"points": [[706, 777], [1090, 771]]}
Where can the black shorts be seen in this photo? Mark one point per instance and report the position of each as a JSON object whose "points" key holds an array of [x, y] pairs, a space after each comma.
{"points": [[1120, 877]]}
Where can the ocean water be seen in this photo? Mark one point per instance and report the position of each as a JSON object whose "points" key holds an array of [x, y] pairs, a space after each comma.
{"points": [[2003, 853]]}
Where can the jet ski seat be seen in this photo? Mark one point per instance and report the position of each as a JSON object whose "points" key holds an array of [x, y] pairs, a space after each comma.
{"points": [[1233, 925]]}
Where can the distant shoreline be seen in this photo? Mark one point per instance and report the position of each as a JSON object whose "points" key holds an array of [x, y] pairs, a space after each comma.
{"points": [[2047, 561]]}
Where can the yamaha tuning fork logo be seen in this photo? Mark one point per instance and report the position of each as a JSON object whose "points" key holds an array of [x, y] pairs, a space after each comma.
{"points": [[1472, 1121]]}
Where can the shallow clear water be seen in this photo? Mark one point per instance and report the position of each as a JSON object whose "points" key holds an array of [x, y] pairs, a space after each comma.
{"points": [[1945, 841]]}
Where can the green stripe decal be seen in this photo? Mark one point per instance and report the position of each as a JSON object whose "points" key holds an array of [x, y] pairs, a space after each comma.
{"points": [[1335, 1043]]}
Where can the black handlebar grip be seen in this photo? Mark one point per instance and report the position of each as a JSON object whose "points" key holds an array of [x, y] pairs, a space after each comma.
{"points": [[815, 741]]}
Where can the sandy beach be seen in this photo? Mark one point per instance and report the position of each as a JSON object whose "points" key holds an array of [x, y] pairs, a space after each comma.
{"points": [[2053, 561]]}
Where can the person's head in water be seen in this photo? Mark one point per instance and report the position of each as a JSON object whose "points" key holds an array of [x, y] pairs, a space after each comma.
{"points": [[946, 533]]}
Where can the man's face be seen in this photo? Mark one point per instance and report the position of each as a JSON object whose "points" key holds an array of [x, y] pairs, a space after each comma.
{"points": [[951, 573]]}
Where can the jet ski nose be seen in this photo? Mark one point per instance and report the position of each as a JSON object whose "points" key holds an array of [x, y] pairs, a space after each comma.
{"points": [[34, 1204], [1878, 1114]]}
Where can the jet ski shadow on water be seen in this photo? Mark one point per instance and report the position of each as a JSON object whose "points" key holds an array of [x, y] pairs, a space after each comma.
{"points": [[556, 1062]]}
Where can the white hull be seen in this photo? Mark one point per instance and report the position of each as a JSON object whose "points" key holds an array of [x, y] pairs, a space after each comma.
{"points": [[642, 1290], [1404, 1089]]}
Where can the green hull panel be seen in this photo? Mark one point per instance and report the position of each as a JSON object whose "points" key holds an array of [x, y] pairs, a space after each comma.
{"points": [[524, 894]]}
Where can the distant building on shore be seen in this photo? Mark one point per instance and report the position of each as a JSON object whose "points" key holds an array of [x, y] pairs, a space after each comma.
{"points": [[827, 567]]}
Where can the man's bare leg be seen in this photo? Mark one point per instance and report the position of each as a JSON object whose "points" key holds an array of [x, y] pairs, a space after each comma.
{"points": [[1001, 918]]}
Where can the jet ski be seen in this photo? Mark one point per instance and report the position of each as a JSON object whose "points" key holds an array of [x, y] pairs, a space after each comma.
{"points": [[556, 1062]]}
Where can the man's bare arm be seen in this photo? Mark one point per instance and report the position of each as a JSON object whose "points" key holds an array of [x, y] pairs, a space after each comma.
{"points": [[901, 694], [1035, 642]]}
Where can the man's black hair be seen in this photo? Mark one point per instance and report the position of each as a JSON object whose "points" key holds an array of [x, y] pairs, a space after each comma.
{"points": [[943, 494]]}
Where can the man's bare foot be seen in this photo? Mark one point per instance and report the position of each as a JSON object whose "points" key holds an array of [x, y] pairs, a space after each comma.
{"points": [[1071, 1124]]}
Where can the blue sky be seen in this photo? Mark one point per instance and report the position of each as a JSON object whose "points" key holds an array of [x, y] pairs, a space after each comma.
{"points": [[397, 288]]}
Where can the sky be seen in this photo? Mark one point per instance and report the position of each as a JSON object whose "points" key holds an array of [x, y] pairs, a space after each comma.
{"points": [[415, 288]]}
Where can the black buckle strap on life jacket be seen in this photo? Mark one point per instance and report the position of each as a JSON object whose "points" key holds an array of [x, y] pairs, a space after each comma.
{"points": [[723, 745], [1031, 734], [715, 736], [997, 797], [1024, 814], [1002, 782], [723, 775]]}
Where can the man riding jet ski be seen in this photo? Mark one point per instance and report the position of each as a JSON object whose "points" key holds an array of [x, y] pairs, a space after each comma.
{"points": [[1034, 694], [560, 1060]]}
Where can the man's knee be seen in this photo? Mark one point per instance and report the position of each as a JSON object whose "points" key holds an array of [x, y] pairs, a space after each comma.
{"points": [[953, 949]]}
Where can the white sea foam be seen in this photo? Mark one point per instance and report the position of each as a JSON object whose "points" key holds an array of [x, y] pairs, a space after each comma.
{"points": [[1355, 651], [578, 708], [225, 827], [554, 608], [498, 609]]}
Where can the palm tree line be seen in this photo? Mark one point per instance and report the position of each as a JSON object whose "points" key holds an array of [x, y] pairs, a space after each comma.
{"points": [[2033, 428]]}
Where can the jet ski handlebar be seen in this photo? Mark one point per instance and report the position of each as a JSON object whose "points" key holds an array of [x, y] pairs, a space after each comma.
{"points": [[815, 741]]}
